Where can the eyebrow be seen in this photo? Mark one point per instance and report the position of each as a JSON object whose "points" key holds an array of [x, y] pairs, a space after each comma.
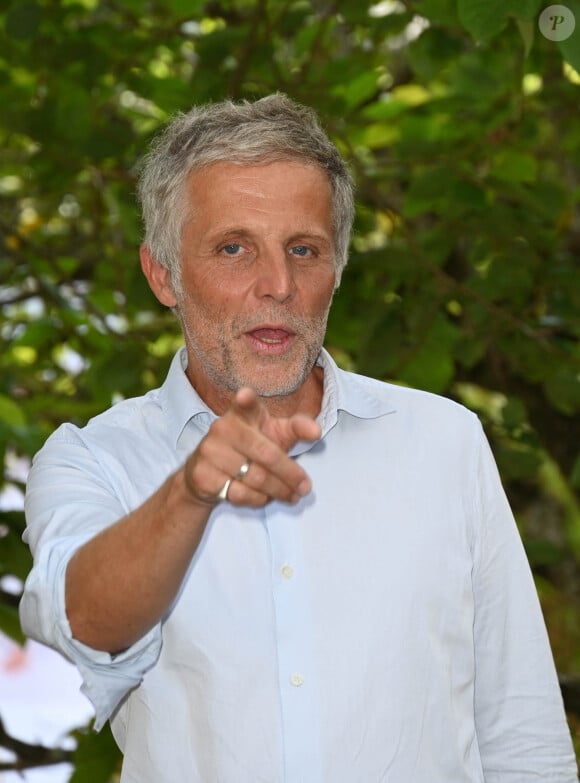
{"points": [[233, 231], [310, 235], [239, 231]]}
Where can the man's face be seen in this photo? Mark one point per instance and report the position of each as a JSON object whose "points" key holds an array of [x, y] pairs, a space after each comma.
{"points": [[257, 275]]}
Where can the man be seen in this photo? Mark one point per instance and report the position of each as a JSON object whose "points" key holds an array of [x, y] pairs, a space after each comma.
{"points": [[269, 569]]}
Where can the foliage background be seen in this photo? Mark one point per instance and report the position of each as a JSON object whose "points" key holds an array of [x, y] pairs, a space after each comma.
{"points": [[460, 122]]}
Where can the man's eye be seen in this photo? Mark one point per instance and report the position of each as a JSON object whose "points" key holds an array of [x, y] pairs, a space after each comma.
{"points": [[301, 250], [232, 248]]}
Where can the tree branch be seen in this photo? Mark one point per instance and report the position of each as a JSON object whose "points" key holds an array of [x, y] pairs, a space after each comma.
{"points": [[29, 756]]}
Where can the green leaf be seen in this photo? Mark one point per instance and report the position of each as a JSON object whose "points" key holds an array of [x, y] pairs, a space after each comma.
{"points": [[379, 134], [516, 462], [570, 47], [525, 9], [563, 390], [514, 166], [358, 90], [430, 189], [513, 413], [97, 757], [527, 31], [482, 18], [11, 413], [433, 50], [15, 559], [431, 366], [39, 334], [441, 12], [468, 195]]}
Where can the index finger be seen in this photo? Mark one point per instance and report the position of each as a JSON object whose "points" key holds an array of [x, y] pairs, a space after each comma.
{"points": [[248, 406]]}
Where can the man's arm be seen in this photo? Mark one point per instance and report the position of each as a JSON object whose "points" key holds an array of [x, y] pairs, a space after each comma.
{"points": [[521, 725], [122, 582]]}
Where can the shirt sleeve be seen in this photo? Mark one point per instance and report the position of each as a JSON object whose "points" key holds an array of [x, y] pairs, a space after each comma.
{"points": [[68, 501], [521, 724]]}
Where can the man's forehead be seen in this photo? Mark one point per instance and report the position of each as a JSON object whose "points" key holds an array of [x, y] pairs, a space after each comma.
{"points": [[279, 188], [252, 169]]}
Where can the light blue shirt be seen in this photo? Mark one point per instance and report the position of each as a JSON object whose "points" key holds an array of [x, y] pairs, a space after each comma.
{"points": [[384, 629]]}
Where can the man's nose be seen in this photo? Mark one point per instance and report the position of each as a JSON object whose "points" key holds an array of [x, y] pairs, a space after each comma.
{"points": [[275, 275]]}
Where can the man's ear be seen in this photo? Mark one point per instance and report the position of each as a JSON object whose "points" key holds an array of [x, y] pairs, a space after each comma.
{"points": [[158, 277]]}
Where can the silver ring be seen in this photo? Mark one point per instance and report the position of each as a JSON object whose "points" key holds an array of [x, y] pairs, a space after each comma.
{"points": [[243, 470], [223, 493]]}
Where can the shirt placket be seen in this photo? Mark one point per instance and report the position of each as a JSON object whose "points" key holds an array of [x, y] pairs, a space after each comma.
{"points": [[294, 637]]}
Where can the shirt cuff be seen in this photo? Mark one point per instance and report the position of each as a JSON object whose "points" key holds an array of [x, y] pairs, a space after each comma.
{"points": [[107, 679]]}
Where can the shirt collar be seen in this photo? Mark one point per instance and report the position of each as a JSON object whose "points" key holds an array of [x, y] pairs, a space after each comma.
{"points": [[180, 401], [356, 395]]}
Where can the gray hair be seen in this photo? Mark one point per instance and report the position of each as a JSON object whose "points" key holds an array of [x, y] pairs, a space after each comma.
{"points": [[270, 129]]}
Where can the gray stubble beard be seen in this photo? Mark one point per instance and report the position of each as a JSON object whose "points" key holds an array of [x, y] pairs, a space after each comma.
{"points": [[231, 381]]}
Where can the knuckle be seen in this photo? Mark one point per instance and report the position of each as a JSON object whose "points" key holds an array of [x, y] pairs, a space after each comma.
{"points": [[207, 452], [195, 477], [218, 428], [266, 452], [258, 474], [203, 450], [196, 470], [242, 496]]}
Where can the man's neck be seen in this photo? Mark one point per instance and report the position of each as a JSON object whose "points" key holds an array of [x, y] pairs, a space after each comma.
{"points": [[307, 399]]}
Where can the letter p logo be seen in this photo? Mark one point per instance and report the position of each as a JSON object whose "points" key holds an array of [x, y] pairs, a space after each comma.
{"points": [[556, 22]]}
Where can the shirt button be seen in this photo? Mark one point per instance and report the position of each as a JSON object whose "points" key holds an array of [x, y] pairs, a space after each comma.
{"points": [[296, 680], [287, 571]]}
